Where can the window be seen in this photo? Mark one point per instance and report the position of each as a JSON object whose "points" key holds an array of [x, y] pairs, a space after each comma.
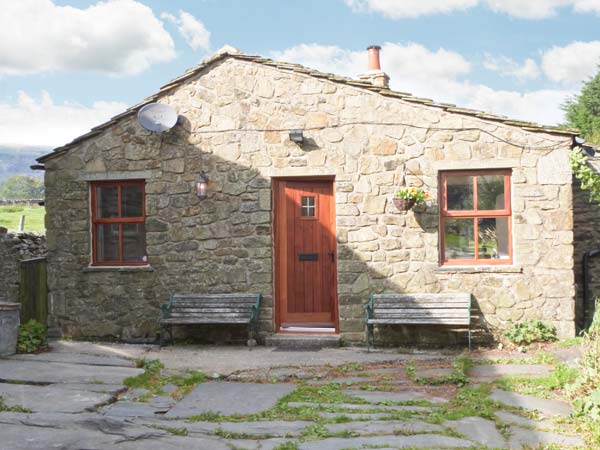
{"points": [[118, 216], [308, 207], [475, 223]]}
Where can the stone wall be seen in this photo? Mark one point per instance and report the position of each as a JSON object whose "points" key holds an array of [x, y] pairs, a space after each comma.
{"points": [[224, 243], [14, 248], [587, 237]]}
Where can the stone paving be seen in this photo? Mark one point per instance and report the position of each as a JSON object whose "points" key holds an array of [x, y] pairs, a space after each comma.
{"points": [[77, 400]]}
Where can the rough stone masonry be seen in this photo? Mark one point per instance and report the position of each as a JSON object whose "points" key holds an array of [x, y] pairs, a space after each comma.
{"points": [[224, 243]]}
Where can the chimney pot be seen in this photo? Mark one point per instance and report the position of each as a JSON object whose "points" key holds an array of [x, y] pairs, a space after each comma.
{"points": [[374, 63]]}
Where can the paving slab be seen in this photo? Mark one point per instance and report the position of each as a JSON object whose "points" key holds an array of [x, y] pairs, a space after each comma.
{"points": [[418, 440], [133, 409], [479, 430], [52, 398], [269, 428], [346, 380], [521, 437], [228, 398], [384, 427], [263, 444], [569, 356], [545, 406], [75, 358], [50, 372], [112, 389], [514, 419], [439, 372], [362, 406], [484, 372], [384, 396], [355, 416]]}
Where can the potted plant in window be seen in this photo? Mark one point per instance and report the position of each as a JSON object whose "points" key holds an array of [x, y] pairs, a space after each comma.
{"points": [[407, 197]]}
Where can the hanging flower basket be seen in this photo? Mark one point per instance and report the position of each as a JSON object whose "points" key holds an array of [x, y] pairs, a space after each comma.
{"points": [[407, 197], [404, 204]]}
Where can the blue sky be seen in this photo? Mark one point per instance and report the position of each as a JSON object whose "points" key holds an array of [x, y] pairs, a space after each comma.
{"points": [[66, 66]]}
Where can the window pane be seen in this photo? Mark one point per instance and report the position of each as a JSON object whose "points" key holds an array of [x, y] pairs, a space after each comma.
{"points": [[107, 242], [460, 193], [490, 192], [459, 239], [133, 242], [493, 238], [131, 200], [106, 201]]}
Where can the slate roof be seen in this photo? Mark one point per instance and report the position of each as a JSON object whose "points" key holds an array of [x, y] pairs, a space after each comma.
{"points": [[230, 52]]}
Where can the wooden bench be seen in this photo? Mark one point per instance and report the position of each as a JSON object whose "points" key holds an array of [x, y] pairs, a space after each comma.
{"points": [[198, 309], [418, 309]]}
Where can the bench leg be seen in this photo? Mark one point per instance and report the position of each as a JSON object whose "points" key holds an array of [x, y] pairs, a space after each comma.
{"points": [[370, 337], [252, 334], [469, 337], [162, 336], [171, 334]]}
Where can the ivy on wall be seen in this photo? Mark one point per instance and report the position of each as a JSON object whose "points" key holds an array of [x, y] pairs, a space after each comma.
{"points": [[589, 178]]}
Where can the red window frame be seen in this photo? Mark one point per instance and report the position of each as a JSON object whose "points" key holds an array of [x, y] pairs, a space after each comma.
{"points": [[115, 220], [474, 214]]}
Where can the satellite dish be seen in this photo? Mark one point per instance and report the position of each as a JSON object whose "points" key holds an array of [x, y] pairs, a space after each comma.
{"points": [[157, 117]]}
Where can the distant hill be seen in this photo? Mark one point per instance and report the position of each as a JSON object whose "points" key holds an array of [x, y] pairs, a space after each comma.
{"points": [[15, 160]]}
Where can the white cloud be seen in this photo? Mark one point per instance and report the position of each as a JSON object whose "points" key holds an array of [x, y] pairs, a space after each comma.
{"points": [[522, 9], [395, 9], [439, 75], [117, 37], [507, 67], [572, 63], [41, 122], [193, 30]]}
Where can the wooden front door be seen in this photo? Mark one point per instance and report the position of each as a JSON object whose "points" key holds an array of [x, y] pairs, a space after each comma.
{"points": [[305, 254]]}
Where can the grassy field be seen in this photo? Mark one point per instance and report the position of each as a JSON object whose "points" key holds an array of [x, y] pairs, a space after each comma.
{"points": [[34, 217]]}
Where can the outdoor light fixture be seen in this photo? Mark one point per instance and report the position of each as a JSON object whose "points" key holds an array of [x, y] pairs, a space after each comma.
{"points": [[296, 136], [201, 184]]}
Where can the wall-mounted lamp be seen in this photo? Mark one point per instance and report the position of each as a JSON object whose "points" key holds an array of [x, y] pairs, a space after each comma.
{"points": [[296, 136], [201, 184]]}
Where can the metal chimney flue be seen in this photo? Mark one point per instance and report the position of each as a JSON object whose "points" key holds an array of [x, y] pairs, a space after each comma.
{"points": [[375, 75]]}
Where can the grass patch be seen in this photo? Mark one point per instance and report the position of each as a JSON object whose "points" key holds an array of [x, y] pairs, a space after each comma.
{"points": [[543, 387], [469, 401], [34, 218], [328, 393], [287, 446], [459, 377], [153, 380], [15, 408], [571, 342], [231, 435]]}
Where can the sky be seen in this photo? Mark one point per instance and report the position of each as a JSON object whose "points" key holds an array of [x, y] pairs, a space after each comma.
{"points": [[69, 65]]}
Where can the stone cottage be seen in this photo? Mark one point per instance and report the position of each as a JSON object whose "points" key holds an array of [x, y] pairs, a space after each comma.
{"points": [[126, 226]]}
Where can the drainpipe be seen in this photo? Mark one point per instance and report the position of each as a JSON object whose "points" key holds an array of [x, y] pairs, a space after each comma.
{"points": [[587, 318]]}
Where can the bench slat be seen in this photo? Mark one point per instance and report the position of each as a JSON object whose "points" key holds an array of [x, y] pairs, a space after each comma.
{"points": [[215, 296], [427, 321], [426, 306], [206, 320], [422, 314], [449, 296], [209, 310]]}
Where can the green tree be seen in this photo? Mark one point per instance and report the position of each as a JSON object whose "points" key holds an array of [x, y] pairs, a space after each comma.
{"points": [[583, 111], [20, 187]]}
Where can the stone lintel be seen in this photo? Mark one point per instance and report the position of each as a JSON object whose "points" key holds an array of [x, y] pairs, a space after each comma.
{"points": [[119, 175], [302, 172], [118, 269], [469, 164], [480, 269]]}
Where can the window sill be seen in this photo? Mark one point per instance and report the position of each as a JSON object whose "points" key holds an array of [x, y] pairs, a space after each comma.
{"points": [[147, 268], [481, 269]]}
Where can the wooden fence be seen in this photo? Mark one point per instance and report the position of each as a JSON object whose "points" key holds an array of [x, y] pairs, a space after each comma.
{"points": [[33, 290]]}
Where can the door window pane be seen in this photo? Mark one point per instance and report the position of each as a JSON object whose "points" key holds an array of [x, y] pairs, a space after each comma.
{"points": [[493, 238], [107, 242], [460, 193], [133, 242], [106, 201], [490, 192], [307, 206], [131, 200], [459, 239]]}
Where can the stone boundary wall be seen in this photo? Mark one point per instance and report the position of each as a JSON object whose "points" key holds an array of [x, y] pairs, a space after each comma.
{"points": [[27, 202], [14, 248]]}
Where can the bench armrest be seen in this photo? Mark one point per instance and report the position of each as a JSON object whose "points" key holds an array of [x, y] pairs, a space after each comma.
{"points": [[166, 309], [369, 308], [255, 309]]}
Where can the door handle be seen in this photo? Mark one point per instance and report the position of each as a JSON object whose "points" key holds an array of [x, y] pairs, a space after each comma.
{"points": [[332, 255]]}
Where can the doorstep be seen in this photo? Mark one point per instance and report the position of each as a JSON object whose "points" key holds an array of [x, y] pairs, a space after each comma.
{"points": [[303, 341]]}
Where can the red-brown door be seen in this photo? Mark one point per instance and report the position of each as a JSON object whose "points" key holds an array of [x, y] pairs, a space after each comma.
{"points": [[305, 249]]}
